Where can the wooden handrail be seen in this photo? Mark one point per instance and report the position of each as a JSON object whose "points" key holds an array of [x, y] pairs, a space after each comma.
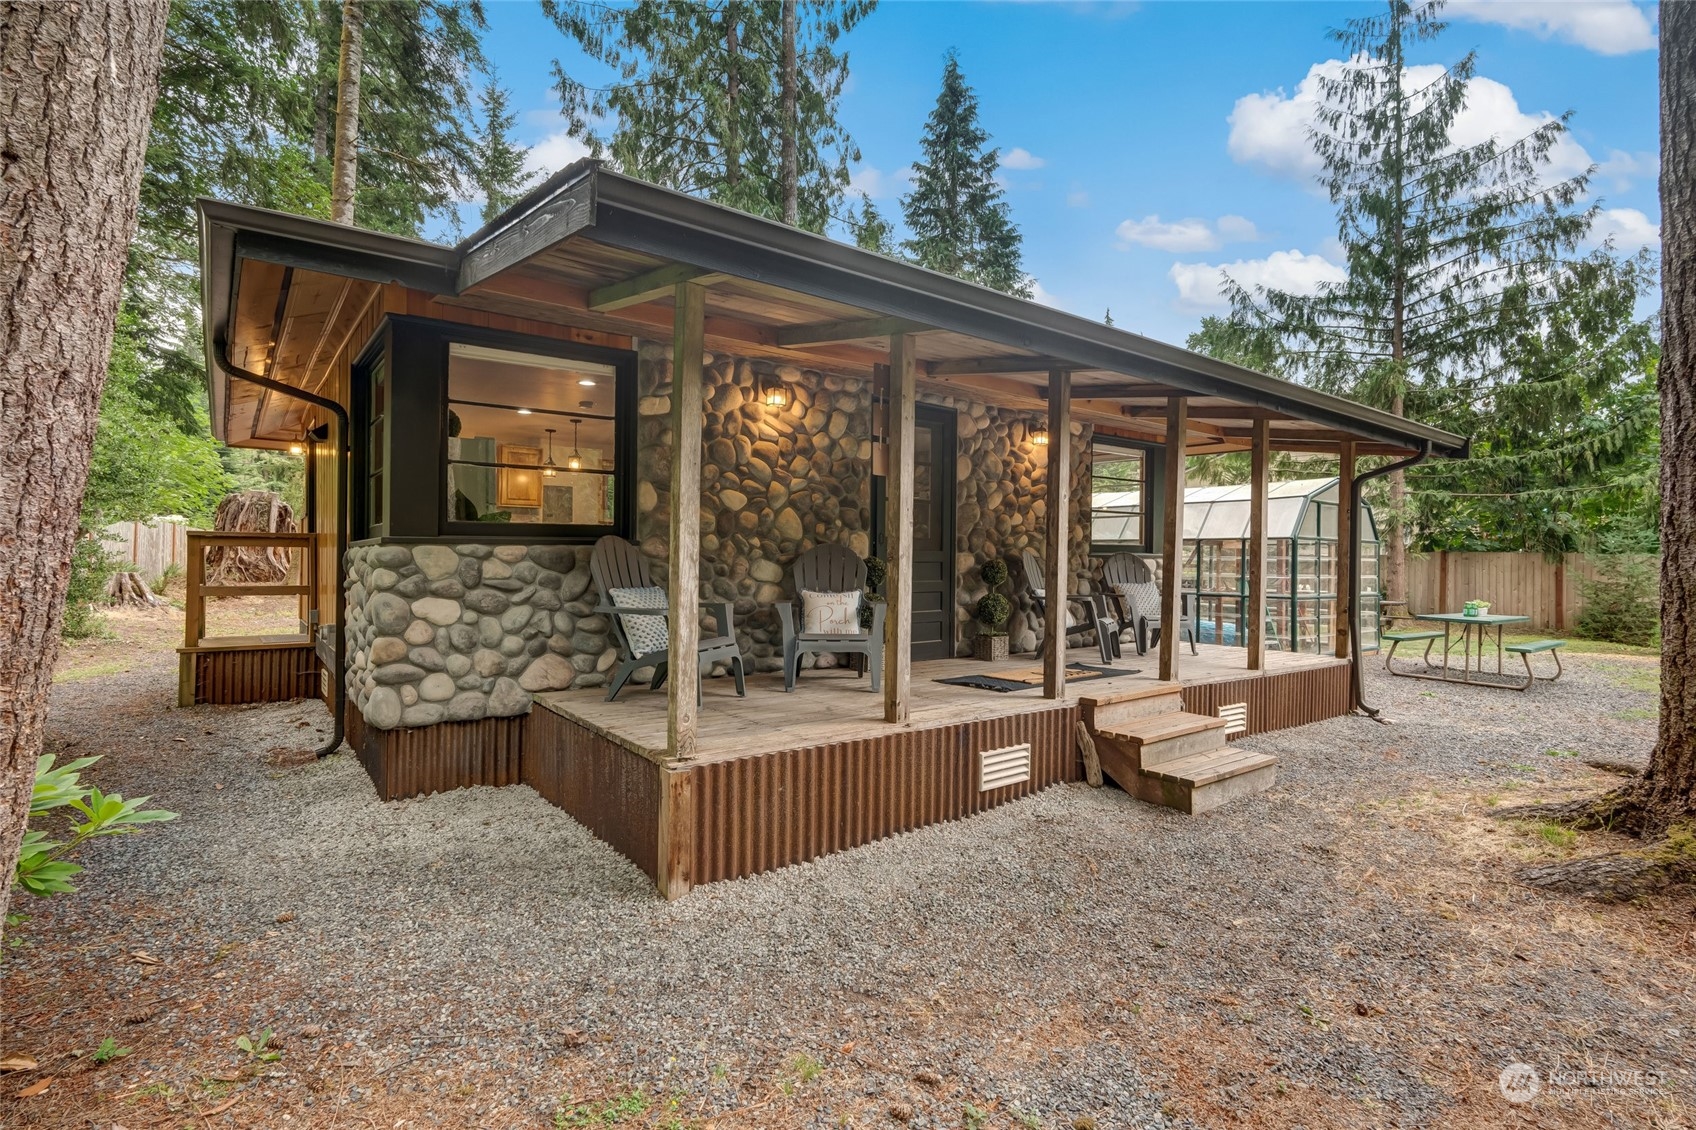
{"points": [[198, 591]]}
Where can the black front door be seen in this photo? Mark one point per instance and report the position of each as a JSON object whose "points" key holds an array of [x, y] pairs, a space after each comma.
{"points": [[933, 532]]}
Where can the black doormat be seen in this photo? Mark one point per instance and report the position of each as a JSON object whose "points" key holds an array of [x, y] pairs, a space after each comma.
{"points": [[1075, 673]]}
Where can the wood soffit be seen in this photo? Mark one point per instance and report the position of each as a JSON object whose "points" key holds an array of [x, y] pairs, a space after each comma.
{"points": [[296, 324]]}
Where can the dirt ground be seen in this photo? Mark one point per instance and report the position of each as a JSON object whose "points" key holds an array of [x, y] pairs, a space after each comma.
{"points": [[1349, 950]]}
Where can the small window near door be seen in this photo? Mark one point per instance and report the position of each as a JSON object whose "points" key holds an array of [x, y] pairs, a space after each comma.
{"points": [[1118, 488], [532, 440]]}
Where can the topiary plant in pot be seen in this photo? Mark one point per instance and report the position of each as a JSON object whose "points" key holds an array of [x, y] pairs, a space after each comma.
{"points": [[992, 613]]}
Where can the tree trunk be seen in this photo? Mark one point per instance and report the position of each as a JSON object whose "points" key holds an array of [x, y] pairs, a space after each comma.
{"points": [[75, 102], [344, 178], [791, 170], [1671, 779], [732, 91]]}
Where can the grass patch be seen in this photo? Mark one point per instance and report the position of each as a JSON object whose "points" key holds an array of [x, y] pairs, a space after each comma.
{"points": [[1637, 714], [1554, 835], [1578, 646], [1644, 679], [92, 671], [614, 1111]]}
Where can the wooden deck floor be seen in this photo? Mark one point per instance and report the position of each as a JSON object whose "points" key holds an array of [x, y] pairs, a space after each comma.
{"points": [[833, 705]]}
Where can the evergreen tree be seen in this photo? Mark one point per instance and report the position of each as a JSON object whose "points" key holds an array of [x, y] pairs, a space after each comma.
{"points": [[871, 231], [960, 223], [1454, 252], [498, 172], [701, 104], [1107, 317]]}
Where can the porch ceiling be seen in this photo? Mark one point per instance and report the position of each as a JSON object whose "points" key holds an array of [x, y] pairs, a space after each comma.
{"points": [[601, 252]]}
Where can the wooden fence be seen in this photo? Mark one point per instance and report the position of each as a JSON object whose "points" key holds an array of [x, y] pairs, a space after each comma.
{"points": [[1521, 584], [148, 548]]}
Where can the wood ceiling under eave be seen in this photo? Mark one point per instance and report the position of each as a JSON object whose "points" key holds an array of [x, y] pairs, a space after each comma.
{"points": [[290, 325]]}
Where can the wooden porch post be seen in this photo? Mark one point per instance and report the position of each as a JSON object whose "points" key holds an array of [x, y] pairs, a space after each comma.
{"points": [[1347, 596], [1259, 481], [1171, 593], [1059, 504], [898, 533], [684, 583]]}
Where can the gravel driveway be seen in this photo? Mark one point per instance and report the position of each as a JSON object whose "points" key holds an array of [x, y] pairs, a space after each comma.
{"points": [[1348, 949]]}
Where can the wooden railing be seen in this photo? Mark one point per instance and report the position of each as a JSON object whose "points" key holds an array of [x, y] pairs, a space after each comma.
{"points": [[301, 585]]}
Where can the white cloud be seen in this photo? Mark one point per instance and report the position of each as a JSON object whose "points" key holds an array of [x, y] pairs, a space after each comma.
{"points": [[1630, 230], [1017, 158], [1201, 286], [879, 185], [1191, 234], [1620, 170], [1042, 296], [1271, 129], [1077, 198], [553, 153], [1608, 27]]}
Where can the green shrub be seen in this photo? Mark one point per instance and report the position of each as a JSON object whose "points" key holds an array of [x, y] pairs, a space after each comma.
{"points": [[876, 573], [994, 572], [992, 613], [42, 867], [91, 566], [1622, 603]]}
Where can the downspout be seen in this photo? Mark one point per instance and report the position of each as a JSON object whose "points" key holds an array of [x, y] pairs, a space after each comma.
{"points": [[1356, 686], [344, 429]]}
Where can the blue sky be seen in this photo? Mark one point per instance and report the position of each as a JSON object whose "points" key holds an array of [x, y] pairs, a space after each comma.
{"points": [[1150, 144]]}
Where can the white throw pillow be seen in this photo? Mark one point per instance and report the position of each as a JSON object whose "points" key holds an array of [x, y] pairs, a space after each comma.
{"points": [[647, 634], [1142, 599], [830, 613]]}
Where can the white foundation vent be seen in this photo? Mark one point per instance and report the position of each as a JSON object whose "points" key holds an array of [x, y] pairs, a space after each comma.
{"points": [[1236, 718], [998, 768]]}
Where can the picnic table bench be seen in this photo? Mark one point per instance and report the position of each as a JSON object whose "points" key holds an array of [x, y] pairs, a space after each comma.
{"points": [[1534, 647]]}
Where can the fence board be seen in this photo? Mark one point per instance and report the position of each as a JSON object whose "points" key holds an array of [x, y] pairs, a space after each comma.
{"points": [[1521, 584], [148, 548]]}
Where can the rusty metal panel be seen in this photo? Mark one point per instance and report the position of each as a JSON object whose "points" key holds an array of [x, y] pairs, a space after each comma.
{"points": [[434, 759], [758, 813], [610, 790], [246, 675], [1277, 701]]}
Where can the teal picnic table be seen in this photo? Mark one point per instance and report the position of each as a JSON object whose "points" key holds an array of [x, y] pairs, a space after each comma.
{"points": [[1470, 626]]}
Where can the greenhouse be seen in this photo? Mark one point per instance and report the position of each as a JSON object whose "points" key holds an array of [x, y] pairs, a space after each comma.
{"points": [[1301, 562]]}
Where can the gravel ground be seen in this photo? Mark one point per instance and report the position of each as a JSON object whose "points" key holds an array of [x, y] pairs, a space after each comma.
{"points": [[1346, 950]]}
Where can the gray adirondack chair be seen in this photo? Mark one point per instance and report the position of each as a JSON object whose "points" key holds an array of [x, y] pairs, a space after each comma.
{"points": [[616, 564], [829, 568], [1130, 569], [1094, 606]]}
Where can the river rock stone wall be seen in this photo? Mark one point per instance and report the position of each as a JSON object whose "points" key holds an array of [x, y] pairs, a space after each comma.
{"points": [[457, 632], [451, 633]]}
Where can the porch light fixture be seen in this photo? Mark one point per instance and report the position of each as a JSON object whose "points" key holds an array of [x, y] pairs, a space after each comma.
{"points": [[548, 468], [575, 463], [296, 449], [1039, 435], [772, 392]]}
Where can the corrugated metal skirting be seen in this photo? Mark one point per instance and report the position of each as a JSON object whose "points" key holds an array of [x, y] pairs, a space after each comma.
{"points": [[758, 813], [1277, 701], [609, 790], [271, 674], [434, 759]]}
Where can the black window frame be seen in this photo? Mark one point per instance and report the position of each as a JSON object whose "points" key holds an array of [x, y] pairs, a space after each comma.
{"points": [[1146, 543], [415, 353]]}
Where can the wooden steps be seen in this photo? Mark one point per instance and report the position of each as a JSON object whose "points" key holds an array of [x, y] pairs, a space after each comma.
{"points": [[1160, 753]]}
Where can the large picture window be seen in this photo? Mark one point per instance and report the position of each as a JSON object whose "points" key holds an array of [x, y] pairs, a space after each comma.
{"points": [[1118, 492], [473, 433], [532, 439]]}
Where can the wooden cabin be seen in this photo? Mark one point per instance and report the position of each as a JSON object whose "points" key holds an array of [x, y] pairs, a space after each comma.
{"points": [[613, 358]]}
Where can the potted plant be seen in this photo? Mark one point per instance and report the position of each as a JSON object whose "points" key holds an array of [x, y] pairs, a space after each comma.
{"points": [[992, 613]]}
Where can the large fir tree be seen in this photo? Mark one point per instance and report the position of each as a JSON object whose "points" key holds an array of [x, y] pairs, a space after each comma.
{"points": [[1454, 252], [701, 103], [960, 222], [498, 169]]}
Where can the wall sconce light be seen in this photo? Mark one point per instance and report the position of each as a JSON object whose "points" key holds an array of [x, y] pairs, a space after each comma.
{"points": [[772, 392], [1039, 435]]}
